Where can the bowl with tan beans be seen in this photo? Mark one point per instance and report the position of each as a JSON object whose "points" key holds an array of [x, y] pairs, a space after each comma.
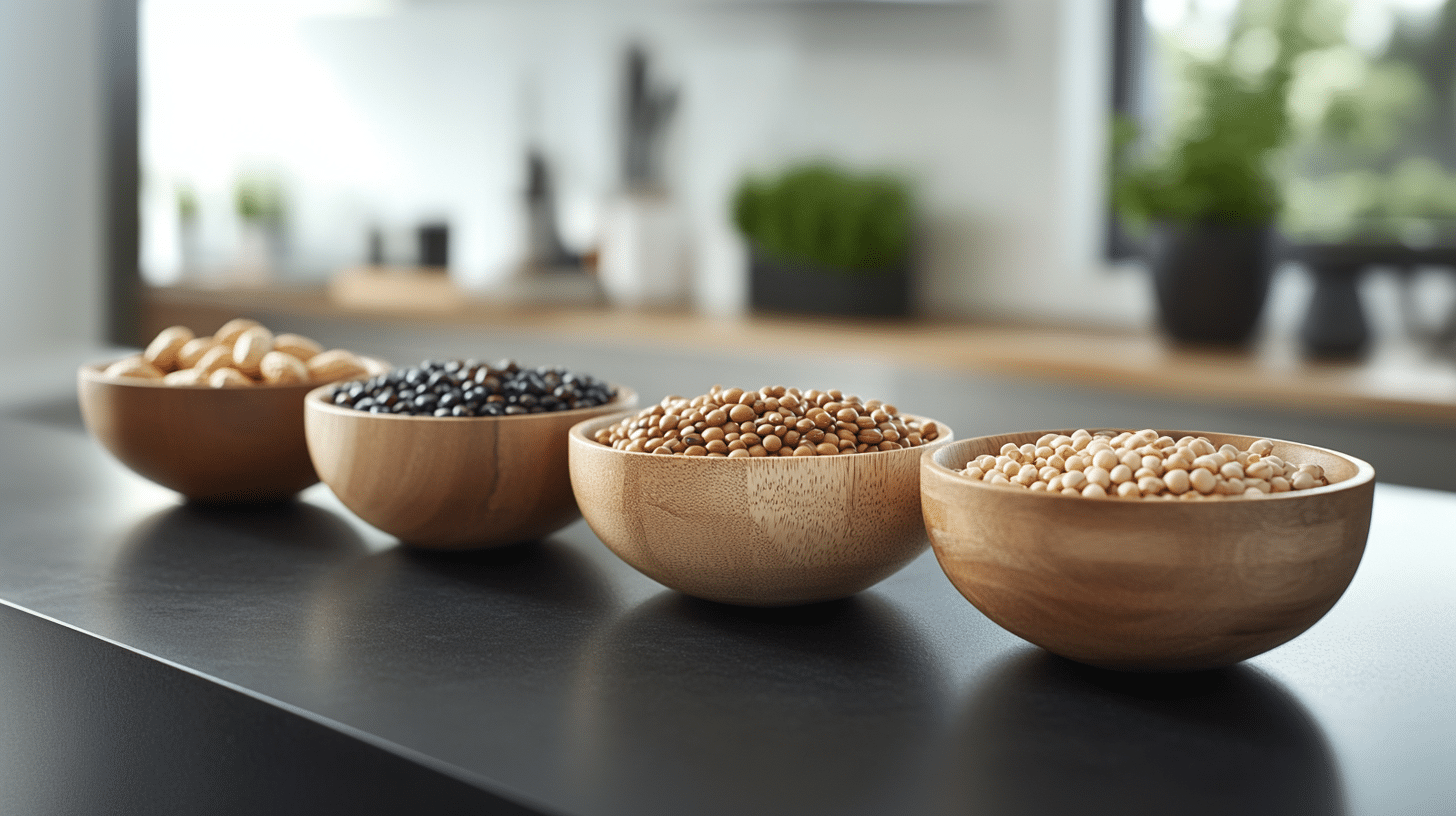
{"points": [[763, 514], [191, 417], [1176, 572], [448, 482]]}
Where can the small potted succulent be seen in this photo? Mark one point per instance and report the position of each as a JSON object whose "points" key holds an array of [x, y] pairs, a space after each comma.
{"points": [[825, 240]]}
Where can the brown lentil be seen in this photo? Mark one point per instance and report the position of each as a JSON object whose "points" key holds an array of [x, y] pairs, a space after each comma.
{"points": [[771, 421]]}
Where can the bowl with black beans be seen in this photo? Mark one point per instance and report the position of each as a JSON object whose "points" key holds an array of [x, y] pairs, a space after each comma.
{"points": [[458, 454]]}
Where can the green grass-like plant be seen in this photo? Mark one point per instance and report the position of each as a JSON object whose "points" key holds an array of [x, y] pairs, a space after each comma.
{"points": [[820, 214]]}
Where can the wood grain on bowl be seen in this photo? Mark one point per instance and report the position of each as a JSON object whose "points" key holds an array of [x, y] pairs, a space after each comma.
{"points": [[1149, 584], [758, 531], [450, 482]]}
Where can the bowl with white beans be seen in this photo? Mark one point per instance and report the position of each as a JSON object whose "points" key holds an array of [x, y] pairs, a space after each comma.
{"points": [[1147, 550]]}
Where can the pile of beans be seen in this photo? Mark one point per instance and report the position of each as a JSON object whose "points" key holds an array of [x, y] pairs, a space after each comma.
{"points": [[467, 388], [1143, 464], [772, 421], [242, 353]]}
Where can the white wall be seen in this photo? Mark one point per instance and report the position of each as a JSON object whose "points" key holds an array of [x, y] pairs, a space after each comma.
{"points": [[50, 174], [996, 108]]}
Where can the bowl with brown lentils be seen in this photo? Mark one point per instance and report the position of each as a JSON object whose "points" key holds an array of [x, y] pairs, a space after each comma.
{"points": [[767, 497], [1148, 550], [457, 454]]}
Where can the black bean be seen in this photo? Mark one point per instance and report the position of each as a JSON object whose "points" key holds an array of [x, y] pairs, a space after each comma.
{"points": [[463, 388]]}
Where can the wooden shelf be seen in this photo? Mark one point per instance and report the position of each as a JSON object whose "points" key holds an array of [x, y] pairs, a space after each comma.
{"points": [[1396, 381]]}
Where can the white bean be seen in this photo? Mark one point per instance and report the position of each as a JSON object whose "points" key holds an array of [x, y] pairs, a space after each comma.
{"points": [[1142, 464], [1177, 481], [1203, 481]]}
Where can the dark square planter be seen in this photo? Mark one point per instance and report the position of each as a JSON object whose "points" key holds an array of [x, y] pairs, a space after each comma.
{"points": [[776, 285]]}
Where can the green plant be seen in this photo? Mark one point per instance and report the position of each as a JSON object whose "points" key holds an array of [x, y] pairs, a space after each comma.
{"points": [[1216, 167], [187, 206], [259, 199], [818, 213]]}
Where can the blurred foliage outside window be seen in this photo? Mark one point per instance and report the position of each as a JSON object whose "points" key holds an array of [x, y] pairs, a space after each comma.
{"points": [[1336, 118]]}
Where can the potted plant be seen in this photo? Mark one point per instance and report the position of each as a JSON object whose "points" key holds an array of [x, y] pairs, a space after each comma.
{"points": [[825, 240], [1209, 199], [262, 211]]}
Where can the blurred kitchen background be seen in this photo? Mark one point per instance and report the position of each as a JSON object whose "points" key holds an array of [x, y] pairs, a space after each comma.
{"points": [[1236, 214]]}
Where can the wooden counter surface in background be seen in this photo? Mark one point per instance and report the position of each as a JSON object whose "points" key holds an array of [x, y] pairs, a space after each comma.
{"points": [[1396, 380]]}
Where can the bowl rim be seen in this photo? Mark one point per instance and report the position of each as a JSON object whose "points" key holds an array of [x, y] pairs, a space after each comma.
{"points": [[578, 434], [92, 372], [625, 399], [1364, 471]]}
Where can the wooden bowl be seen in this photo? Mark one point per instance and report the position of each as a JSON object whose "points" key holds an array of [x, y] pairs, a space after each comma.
{"points": [[450, 482], [769, 531], [209, 444], [1149, 585]]}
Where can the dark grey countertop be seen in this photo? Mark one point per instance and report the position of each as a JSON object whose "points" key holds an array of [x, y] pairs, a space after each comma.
{"points": [[157, 657]]}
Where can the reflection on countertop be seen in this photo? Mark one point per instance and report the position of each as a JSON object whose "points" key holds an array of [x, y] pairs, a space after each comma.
{"points": [[1041, 734]]}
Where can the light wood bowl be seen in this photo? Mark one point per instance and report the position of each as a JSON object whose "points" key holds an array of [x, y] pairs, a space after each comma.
{"points": [[769, 531], [446, 482], [1149, 585], [209, 444]]}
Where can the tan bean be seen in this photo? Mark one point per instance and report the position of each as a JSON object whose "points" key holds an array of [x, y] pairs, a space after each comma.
{"points": [[279, 368], [192, 351], [335, 365], [233, 329], [249, 348], [228, 378], [185, 377], [164, 349], [133, 367], [218, 356], [297, 345]]}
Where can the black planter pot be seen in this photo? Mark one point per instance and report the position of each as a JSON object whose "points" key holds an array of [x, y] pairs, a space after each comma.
{"points": [[783, 286], [1211, 279]]}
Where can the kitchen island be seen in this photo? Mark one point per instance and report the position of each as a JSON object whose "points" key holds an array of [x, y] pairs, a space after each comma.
{"points": [[157, 657]]}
